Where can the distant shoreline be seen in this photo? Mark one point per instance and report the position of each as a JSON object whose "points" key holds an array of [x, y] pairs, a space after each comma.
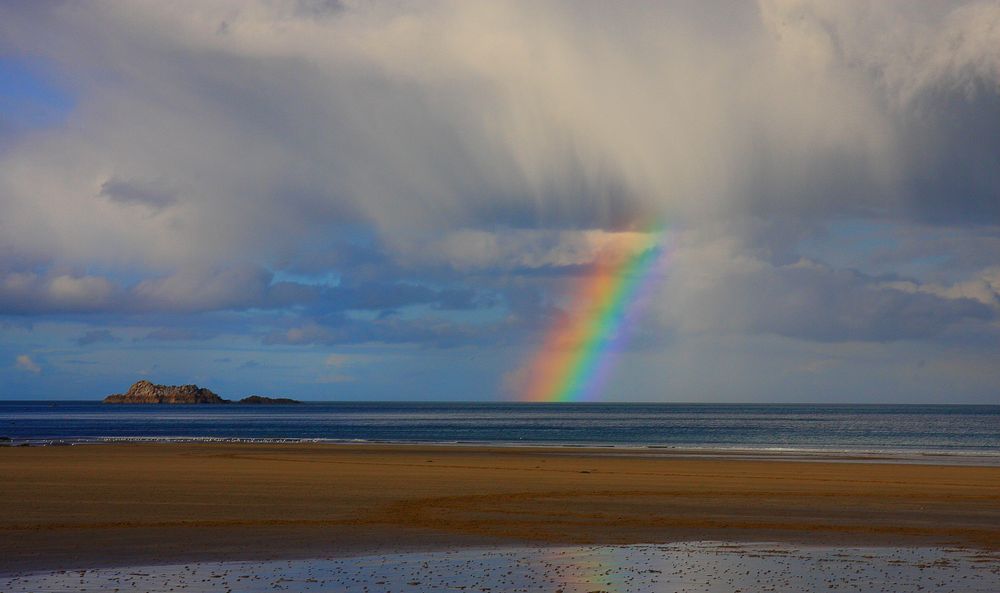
{"points": [[973, 458]]}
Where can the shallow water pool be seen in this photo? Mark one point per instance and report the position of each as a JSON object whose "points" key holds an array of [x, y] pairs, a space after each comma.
{"points": [[689, 567]]}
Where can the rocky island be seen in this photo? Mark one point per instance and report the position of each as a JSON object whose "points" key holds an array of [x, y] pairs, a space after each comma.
{"points": [[260, 399], [145, 392]]}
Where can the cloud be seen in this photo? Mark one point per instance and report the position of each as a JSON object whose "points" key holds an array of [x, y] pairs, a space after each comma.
{"points": [[715, 285], [196, 288], [238, 287], [523, 249], [30, 292], [336, 378], [488, 115], [430, 332], [96, 336], [387, 296], [437, 173], [984, 289], [125, 192], [337, 360], [25, 363], [178, 334], [336, 363]]}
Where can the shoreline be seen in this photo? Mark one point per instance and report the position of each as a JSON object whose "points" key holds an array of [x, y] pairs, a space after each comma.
{"points": [[145, 503], [395, 553], [764, 452]]}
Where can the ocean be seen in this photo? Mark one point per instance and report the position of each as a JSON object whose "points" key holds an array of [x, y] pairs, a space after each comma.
{"points": [[928, 430]]}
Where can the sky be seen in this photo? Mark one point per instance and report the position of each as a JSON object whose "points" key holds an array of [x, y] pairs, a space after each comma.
{"points": [[392, 200]]}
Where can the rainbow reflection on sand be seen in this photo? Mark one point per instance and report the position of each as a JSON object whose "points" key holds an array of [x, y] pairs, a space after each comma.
{"points": [[688, 567]]}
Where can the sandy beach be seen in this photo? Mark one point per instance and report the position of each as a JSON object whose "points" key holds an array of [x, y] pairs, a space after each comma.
{"points": [[120, 504]]}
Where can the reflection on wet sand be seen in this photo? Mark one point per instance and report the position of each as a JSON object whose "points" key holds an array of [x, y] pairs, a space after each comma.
{"points": [[691, 567]]}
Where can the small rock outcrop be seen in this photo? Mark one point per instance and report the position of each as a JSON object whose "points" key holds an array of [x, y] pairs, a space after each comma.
{"points": [[145, 392], [260, 399]]}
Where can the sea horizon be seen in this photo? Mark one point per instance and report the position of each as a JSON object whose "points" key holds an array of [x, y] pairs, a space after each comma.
{"points": [[898, 431]]}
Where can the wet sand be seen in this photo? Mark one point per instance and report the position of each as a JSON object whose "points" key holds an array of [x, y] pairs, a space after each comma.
{"points": [[131, 504], [683, 567]]}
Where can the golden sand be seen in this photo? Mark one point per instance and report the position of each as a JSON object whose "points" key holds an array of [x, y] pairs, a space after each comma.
{"points": [[150, 503]]}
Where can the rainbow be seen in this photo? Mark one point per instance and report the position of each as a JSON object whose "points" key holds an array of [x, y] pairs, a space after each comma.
{"points": [[576, 357]]}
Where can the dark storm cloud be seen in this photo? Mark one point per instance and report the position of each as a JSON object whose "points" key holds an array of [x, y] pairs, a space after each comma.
{"points": [[237, 288], [302, 116], [813, 301], [308, 159], [817, 303]]}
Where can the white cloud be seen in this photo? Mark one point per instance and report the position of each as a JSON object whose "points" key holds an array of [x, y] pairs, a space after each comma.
{"points": [[30, 291], [985, 288], [519, 248], [269, 123]]}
